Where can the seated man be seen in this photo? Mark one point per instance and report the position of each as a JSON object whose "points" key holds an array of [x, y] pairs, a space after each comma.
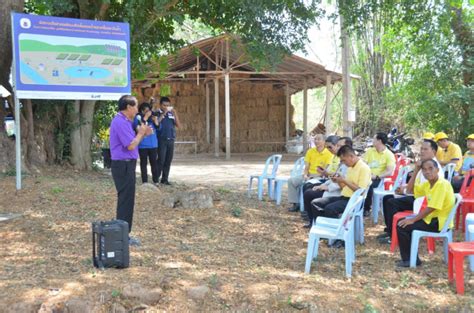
{"points": [[381, 162], [467, 164], [357, 176], [328, 188], [448, 151], [403, 201], [315, 157], [440, 201]]}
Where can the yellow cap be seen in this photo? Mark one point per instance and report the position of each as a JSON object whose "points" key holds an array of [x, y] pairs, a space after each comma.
{"points": [[428, 135], [471, 136], [440, 136]]}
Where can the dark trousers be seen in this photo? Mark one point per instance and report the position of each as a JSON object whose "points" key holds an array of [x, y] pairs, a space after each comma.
{"points": [[457, 184], [392, 206], [165, 156], [330, 207], [123, 174], [370, 193], [150, 154], [404, 235], [308, 196]]}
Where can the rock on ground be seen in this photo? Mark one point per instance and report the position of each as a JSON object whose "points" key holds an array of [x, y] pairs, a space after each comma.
{"points": [[198, 293], [144, 295]]}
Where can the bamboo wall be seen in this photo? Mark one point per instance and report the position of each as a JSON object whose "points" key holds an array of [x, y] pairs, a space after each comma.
{"points": [[257, 114]]}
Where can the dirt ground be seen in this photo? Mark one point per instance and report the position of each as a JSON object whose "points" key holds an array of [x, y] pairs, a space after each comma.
{"points": [[247, 255]]}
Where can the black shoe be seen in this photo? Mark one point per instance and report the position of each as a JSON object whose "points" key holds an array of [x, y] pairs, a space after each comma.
{"points": [[305, 218], [166, 183], [307, 225], [366, 213], [294, 208], [385, 240], [402, 263], [383, 235], [304, 213], [338, 244]]}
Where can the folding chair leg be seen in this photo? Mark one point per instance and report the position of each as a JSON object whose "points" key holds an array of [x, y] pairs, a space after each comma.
{"points": [[312, 252], [260, 188], [249, 190], [415, 240]]}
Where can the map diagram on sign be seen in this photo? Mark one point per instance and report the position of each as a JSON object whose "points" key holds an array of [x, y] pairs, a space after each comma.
{"points": [[56, 60]]}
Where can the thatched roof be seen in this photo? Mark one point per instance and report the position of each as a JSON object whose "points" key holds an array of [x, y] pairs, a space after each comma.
{"points": [[212, 61]]}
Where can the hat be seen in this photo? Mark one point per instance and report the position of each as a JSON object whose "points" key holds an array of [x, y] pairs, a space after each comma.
{"points": [[440, 136], [471, 137], [428, 135]]}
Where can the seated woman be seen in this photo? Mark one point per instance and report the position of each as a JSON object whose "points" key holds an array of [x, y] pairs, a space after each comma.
{"points": [[440, 201], [467, 164]]}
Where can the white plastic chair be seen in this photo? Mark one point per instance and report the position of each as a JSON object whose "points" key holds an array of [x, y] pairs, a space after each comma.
{"points": [[446, 233], [380, 193], [280, 181], [343, 230], [273, 161], [448, 171], [469, 235]]}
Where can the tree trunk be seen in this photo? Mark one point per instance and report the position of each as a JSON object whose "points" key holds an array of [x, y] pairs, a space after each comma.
{"points": [[81, 135]]}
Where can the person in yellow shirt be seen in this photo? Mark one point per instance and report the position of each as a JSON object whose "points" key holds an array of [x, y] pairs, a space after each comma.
{"points": [[381, 162], [449, 152], [467, 164], [317, 157], [357, 176], [440, 201]]}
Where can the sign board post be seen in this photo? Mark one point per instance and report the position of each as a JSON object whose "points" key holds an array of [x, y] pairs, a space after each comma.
{"points": [[67, 59]]}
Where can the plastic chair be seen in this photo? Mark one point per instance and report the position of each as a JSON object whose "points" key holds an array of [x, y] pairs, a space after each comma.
{"points": [[467, 204], [448, 171], [343, 230], [445, 233], [280, 181], [273, 162], [401, 161], [456, 253], [379, 193], [470, 236], [358, 221]]}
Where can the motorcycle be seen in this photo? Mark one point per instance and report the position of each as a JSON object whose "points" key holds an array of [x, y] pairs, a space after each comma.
{"points": [[397, 143]]}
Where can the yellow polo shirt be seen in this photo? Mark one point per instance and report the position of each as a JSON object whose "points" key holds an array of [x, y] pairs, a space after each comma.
{"points": [[334, 165], [315, 158], [379, 161], [360, 175], [453, 151], [440, 198]]}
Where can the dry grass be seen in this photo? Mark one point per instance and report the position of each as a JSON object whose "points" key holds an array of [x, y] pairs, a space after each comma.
{"points": [[251, 262]]}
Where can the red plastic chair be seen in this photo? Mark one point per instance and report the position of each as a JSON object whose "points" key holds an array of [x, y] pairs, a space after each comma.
{"points": [[456, 253], [430, 242], [467, 204], [401, 161]]}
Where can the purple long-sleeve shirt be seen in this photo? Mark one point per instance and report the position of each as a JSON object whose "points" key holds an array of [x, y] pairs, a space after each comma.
{"points": [[121, 136]]}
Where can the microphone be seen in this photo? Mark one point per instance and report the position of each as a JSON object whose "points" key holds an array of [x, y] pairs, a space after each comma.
{"points": [[139, 119]]}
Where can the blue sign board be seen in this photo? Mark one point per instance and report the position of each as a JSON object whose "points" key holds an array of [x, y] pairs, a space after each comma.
{"points": [[65, 58]]}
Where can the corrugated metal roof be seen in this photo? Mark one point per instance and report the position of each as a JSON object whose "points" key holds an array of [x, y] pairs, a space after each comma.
{"points": [[293, 69]]}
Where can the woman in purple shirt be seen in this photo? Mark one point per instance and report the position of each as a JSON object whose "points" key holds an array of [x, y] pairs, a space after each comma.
{"points": [[124, 151]]}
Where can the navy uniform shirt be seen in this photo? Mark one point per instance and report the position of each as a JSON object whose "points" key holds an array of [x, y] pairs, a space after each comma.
{"points": [[167, 126]]}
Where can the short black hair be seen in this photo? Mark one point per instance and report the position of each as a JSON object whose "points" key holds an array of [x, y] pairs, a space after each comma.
{"points": [[164, 99], [333, 139], [143, 106], [345, 150], [435, 164], [347, 141], [433, 144], [126, 100], [382, 137]]}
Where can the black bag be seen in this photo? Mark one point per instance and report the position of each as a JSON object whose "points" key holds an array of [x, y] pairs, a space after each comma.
{"points": [[110, 244]]}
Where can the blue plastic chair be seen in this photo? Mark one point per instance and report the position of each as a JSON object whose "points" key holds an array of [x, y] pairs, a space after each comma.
{"points": [[280, 181], [358, 220], [379, 192], [469, 235], [268, 173], [343, 230], [446, 233], [448, 171]]}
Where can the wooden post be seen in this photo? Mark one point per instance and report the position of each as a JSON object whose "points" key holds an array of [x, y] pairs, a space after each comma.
{"points": [[305, 116], [287, 120], [327, 118], [216, 117], [227, 103], [346, 81], [208, 116]]}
